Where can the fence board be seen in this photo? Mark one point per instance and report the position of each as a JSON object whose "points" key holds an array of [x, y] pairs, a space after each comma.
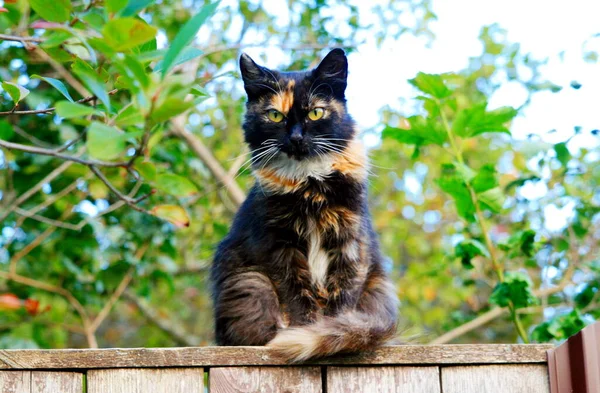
{"points": [[170, 380], [496, 379], [383, 380], [56, 382], [260, 356], [15, 381], [265, 380]]}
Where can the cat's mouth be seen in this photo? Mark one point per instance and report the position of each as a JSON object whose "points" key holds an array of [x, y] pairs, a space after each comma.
{"points": [[295, 152]]}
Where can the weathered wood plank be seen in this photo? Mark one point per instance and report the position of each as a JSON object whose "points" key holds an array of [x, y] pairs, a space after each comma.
{"points": [[265, 380], [169, 380], [261, 356], [496, 379], [383, 380], [15, 381], [56, 382]]}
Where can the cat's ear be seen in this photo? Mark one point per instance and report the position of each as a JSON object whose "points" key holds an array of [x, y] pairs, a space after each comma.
{"points": [[250, 70], [334, 70], [253, 76]]}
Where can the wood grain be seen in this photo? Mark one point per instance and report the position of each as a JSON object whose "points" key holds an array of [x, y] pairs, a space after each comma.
{"points": [[56, 382], [15, 381], [496, 379], [261, 356], [169, 380], [265, 380], [383, 380]]}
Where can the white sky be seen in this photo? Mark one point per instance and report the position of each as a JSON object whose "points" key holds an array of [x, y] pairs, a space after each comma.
{"points": [[542, 28]]}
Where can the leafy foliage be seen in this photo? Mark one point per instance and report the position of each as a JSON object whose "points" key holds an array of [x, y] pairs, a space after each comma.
{"points": [[137, 116]]}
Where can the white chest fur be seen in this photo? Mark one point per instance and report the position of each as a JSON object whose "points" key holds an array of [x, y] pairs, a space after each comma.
{"points": [[318, 260]]}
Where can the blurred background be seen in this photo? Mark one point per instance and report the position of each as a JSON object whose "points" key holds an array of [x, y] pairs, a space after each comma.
{"points": [[114, 276]]}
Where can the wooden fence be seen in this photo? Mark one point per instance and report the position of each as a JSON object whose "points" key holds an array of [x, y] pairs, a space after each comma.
{"points": [[494, 368]]}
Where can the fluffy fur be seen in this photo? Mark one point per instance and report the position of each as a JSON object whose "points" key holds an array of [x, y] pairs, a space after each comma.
{"points": [[301, 270]]}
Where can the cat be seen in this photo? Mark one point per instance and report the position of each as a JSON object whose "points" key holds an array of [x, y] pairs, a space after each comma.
{"points": [[300, 270]]}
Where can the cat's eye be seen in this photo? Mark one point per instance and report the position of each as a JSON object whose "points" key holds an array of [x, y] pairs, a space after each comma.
{"points": [[316, 114], [275, 116]]}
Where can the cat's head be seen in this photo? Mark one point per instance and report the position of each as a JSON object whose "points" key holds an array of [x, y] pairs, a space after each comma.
{"points": [[296, 116]]}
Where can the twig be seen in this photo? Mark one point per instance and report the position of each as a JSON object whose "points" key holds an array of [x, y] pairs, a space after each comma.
{"points": [[59, 291], [52, 109], [55, 153], [174, 330], [31, 138], [8, 37], [129, 201], [28, 248], [113, 299], [45, 220], [139, 254], [27, 194], [204, 153], [66, 75]]}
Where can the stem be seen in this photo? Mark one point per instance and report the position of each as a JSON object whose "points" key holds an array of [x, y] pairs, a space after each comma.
{"points": [[482, 225]]}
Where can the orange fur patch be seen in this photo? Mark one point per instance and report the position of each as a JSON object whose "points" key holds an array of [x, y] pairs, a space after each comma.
{"points": [[284, 100], [274, 182], [353, 162], [335, 218]]}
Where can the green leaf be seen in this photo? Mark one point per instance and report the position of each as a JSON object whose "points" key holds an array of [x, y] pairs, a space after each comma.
{"points": [[477, 120], [6, 130], [175, 185], [105, 142], [126, 33], [469, 249], [170, 108], [135, 6], [129, 116], [176, 215], [485, 179], [52, 10], [520, 243], [516, 288], [563, 155], [114, 6], [69, 110], [431, 84], [559, 328], [422, 131], [452, 182], [15, 91], [186, 35], [493, 199], [147, 170], [58, 85], [198, 90], [587, 294], [91, 80], [188, 53]]}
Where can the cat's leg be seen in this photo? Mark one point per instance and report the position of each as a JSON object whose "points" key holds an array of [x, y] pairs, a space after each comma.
{"points": [[246, 310]]}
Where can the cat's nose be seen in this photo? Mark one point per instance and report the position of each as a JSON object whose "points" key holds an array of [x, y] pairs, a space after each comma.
{"points": [[296, 135]]}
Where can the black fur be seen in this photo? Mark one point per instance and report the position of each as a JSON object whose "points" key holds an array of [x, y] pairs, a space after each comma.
{"points": [[262, 279]]}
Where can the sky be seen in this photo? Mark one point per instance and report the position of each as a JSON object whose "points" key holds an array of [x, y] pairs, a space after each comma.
{"points": [[551, 29]]}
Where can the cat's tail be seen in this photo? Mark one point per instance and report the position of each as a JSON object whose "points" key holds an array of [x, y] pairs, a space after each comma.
{"points": [[349, 332]]}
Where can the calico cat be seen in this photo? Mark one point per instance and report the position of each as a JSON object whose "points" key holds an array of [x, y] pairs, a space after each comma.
{"points": [[301, 271]]}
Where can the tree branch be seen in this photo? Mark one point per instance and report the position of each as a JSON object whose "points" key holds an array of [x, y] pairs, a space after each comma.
{"points": [[204, 153], [49, 110], [55, 153], [172, 329], [8, 37]]}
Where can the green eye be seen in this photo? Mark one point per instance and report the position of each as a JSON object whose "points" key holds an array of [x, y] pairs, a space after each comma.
{"points": [[316, 114], [275, 116]]}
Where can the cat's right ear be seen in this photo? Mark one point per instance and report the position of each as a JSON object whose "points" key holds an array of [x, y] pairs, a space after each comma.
{"points": [[253, 75]]}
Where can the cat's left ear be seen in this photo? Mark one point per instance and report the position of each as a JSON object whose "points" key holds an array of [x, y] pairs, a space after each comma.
{"points": [[334, 70]]}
